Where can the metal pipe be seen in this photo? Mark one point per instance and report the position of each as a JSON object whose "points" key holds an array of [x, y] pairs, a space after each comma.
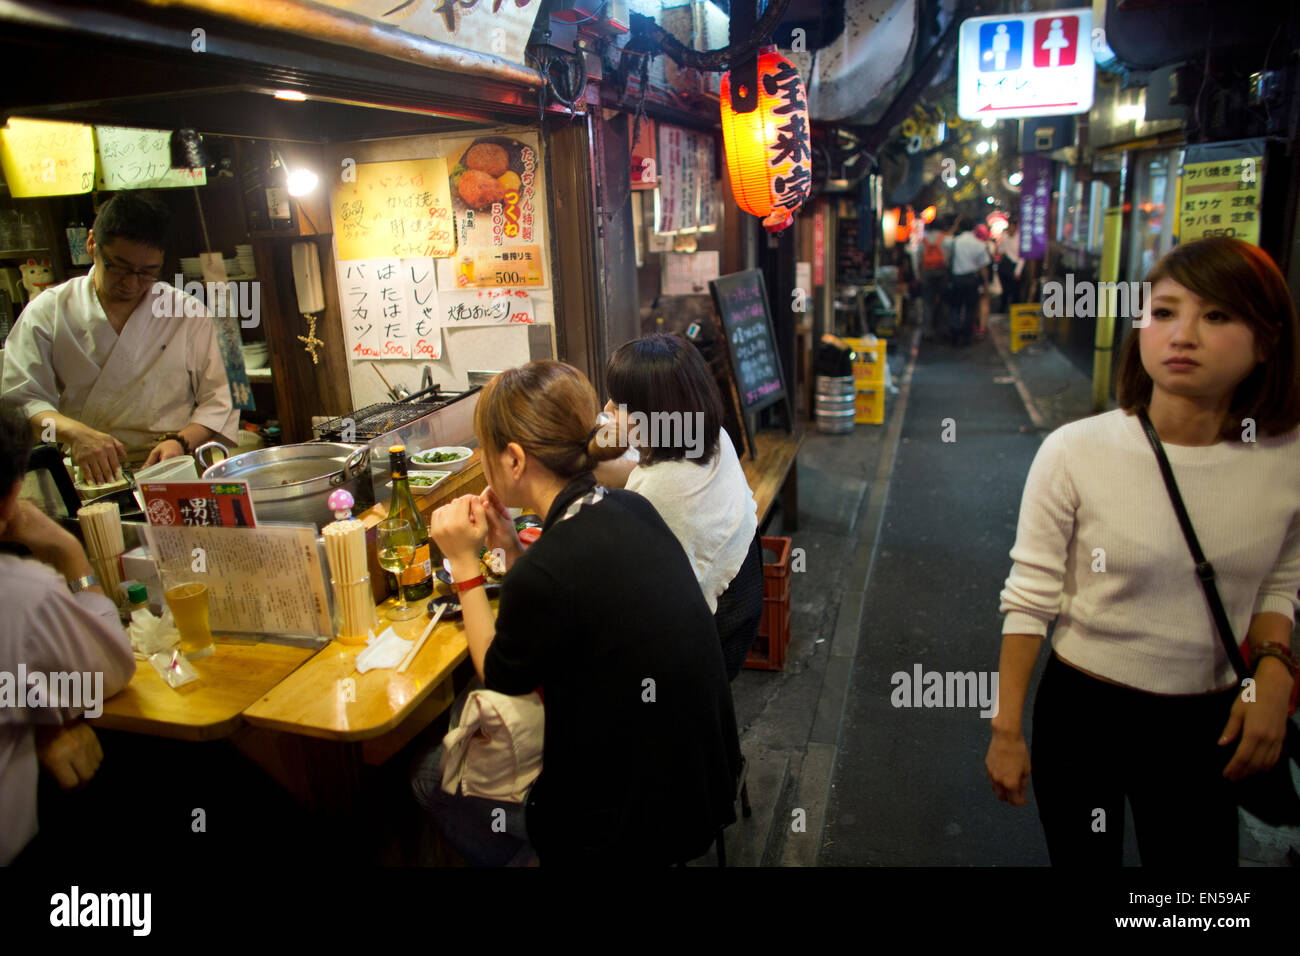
{"points": [[351, 30]]}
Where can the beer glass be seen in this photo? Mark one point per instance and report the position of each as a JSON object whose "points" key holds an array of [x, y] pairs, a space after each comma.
{"points": [[189, 607]]}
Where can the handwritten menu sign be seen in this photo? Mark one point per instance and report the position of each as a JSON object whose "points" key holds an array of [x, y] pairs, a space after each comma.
{"points": [[263, 580], [422, 309], [487, 307], [209, 504], [42, 158], [395, 210], [741, 299], [669, 216], [132, 158]]}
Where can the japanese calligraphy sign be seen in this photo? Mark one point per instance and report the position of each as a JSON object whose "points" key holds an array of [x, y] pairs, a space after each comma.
{"points": [[422, 308], [42, 158], [1035, 199], [769, 155], [198, 504], [1221, 186], [394, 210], [496, 27], [687, 197], [374, 302], [669, 215], [487, 307], [1033, 64], [494, 183], [139, 159]]}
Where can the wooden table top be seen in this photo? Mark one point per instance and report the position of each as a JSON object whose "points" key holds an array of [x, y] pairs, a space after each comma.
{"points": [[776, 455], [234, 676], [316, 700]]}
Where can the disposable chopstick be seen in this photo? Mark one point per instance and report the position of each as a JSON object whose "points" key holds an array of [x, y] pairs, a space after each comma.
{"points": [[410, 655]]}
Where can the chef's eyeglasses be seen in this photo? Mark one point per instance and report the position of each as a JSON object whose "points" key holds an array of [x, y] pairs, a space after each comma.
{"points": [[122, 272]]}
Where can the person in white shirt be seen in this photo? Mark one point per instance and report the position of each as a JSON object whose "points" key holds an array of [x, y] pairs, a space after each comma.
{"points": [[116, 365], [1010, 264], [696, 483], [1138, 699], [57, 626], [970, 261]]}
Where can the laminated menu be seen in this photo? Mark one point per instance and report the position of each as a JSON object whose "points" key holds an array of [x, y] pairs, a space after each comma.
{"points": [[264, 580]]}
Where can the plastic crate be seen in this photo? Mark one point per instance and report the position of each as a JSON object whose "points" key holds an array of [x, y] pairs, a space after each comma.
{"points": [[869, 368], [768, 650], [869, 406]]}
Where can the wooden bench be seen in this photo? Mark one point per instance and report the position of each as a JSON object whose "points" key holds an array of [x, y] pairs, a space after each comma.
{"points": [[774, 473]]}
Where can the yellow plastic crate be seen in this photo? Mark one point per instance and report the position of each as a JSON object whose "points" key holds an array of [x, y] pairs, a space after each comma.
{"points": [[870, 365], [869, 406]]}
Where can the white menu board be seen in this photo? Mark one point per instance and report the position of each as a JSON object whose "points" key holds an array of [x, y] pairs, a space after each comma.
{"points": [[263, 580], [132, 158]]}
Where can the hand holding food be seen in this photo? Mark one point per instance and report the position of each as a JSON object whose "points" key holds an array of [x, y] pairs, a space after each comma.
{"points": [[459, 528], [501, 531], [97, 455]]}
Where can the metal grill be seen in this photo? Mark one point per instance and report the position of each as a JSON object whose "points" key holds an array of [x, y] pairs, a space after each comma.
{"points": [[375, 420]]}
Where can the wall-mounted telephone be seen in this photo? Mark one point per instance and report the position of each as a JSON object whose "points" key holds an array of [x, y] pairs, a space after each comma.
{"points": [[306, 278], [311, 297]]}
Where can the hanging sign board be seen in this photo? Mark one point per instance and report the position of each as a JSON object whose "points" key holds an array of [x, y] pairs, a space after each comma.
{"points": [[42, 158], [399, 210], [1032, 64], [132, 158], [1221, 185]]}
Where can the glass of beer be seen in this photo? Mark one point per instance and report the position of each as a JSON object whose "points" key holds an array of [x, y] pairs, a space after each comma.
{"points": [[189, 607]]}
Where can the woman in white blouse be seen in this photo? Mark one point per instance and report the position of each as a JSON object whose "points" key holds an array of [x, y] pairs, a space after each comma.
{"points": [[1138, 699], [663, 396]]}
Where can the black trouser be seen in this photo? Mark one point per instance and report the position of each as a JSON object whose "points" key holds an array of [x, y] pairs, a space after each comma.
{"points": [[965, 306], [1010, 284], [740, 610], [1095, 743]]}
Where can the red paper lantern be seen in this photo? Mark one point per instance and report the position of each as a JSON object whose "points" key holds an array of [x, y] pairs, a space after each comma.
{"points": [[769, 156]]}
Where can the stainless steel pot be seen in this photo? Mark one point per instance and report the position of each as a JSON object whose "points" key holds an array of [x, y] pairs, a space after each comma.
{"points": [[293, 482]]}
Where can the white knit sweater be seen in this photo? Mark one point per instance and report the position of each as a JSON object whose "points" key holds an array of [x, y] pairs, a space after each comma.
{"points": [[1094, 494]]}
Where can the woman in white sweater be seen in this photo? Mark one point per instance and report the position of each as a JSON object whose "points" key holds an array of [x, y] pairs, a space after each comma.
{"points": [[664, 399], [1138, 699]]}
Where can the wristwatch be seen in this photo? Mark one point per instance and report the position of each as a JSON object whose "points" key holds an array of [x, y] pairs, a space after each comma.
{"points": [[83, 582], [175, 436]]}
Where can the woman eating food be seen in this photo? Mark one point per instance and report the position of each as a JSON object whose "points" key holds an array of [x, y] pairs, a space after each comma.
{"points": [[602, 614], [696, 485]]}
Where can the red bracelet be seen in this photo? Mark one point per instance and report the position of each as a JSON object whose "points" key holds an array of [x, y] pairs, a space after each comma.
{"points": [[470, 584]]}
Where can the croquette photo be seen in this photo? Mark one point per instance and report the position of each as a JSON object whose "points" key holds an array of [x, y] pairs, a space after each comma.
{"points": [[479, 189], [488, 158]]}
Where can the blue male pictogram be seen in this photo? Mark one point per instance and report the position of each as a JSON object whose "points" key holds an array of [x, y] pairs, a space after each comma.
{"points": [[1000, 46]]}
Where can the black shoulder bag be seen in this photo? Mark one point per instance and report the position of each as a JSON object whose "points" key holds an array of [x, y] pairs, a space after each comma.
{"points": [[1269, 795]]}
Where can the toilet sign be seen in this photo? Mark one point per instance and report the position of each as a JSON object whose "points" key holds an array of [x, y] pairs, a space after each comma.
{"points": [[1025, 65]]}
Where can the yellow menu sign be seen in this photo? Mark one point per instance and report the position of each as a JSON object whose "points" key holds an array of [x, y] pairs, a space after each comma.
{"points": [[508, 266], [1221, 199], [43, 158], [394, 210]]}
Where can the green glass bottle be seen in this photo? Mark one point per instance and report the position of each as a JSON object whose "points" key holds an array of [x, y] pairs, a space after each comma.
{"points": [[416, 580]]}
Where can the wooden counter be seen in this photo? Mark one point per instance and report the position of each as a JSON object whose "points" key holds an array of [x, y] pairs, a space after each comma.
{"points": [[232, 678]]}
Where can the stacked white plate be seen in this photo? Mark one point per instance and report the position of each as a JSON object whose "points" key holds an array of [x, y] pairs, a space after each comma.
{"points": [[192, 267], [244, 256]]}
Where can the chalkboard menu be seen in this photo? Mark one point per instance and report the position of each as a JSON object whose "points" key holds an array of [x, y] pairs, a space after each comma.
{"points": [[741, 299]]}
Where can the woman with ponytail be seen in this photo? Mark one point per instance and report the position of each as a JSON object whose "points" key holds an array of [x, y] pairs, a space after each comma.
{"points": [[604, 614]]}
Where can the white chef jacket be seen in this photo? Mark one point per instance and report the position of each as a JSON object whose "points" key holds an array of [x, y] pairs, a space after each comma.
{"points": [[161, 373]]}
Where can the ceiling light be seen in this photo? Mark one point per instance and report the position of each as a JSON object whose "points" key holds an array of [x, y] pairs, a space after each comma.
{"points": [[982, 147], [988, 122], [301, 181], [1016, 178]]}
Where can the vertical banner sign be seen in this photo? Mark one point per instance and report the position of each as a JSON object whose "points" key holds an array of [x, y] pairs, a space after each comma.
{"points": [[1221, 185], [819, 243], [1035, 196], [645, 162], [668, 211], [418, 276], [708, 183]]}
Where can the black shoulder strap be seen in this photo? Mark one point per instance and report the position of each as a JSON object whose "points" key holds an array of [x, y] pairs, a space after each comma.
{"points": [[1204, 570]]}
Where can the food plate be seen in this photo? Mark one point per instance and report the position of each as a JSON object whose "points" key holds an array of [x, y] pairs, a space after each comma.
{"points": [[425, 458], [422, 482]]}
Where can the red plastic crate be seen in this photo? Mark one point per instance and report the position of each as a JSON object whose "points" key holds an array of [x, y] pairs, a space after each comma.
{"points": [[768, 651]]}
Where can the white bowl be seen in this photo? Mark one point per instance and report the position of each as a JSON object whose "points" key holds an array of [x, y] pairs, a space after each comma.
{"points": [[437, 477], [451, 467], [255, 358]]}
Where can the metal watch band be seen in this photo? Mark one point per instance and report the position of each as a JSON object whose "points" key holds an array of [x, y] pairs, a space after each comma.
{"points": [[83, 582]]}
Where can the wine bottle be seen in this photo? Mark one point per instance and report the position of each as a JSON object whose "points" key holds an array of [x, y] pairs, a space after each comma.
{"points": [[416, 580]]}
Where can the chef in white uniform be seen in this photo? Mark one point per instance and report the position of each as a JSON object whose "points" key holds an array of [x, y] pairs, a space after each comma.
{"points": [[110, 364]]}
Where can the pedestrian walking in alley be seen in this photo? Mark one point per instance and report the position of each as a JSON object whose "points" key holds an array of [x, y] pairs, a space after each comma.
{"points": [[1011, 265], [933, 267], [970, 262], [1139, 699]]}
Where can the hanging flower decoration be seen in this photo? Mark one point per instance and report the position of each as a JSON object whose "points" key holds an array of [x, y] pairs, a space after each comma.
{"points": [[769, 156]]}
